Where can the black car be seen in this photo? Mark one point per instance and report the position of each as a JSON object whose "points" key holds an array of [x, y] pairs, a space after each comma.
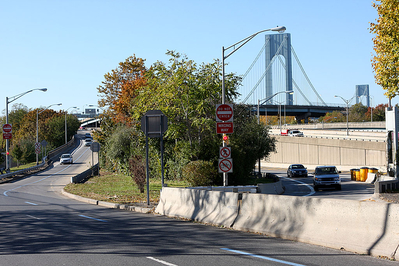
{"points": [[297, 170]]}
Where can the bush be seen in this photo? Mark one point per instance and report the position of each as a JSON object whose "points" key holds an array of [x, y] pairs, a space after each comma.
{"points": [[137, 171], [200, 173]]}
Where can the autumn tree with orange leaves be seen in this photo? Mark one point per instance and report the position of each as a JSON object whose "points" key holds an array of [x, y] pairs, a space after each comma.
{"points": [[120, 87]]}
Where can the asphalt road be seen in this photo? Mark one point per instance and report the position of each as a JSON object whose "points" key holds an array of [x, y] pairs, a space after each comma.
{"points": [[303, 187], [40, 226]]}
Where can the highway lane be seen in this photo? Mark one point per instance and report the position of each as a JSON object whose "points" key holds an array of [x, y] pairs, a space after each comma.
{"points": [[303, 187], [39, 226]]}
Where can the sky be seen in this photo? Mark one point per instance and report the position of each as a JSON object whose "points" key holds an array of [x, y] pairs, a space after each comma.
{"points": [[67, 46]]}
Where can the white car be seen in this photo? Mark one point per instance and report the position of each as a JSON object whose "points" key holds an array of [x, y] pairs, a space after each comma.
{"points": [[295, 133], [88, 142], [66, 158]]}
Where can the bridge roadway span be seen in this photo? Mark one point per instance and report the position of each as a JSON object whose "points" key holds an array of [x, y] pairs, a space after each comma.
{"points": [[301, 112]]}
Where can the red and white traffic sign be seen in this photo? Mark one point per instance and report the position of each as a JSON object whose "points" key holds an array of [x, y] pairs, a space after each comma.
{"points": [[225, 152], [7, 135], [7, 128], [224, 128], [37, 147], [225, 165], [224, 112]]}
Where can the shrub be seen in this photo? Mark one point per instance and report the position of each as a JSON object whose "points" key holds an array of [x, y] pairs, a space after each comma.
{"points": [[137, 171], [200, 173]]}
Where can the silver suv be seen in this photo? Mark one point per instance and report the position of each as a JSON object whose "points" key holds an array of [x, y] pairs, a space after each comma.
{"points": [[326, 176]]}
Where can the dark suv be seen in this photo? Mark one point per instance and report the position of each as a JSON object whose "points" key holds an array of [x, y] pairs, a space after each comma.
{"points": [[326, 176], [297, 170]]}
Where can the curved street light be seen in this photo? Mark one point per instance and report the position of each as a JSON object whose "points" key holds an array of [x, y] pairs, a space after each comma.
{"points": [[239, 45], [37, 126], [66, 127], [10, 100], [347, 111]]}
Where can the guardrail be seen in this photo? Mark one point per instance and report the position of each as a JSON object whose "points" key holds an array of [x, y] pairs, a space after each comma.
{"points": [[85, 175], [26, 171]]}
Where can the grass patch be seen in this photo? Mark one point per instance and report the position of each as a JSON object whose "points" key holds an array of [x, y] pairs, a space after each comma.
{"points": [[119, 188], [13, 169]]}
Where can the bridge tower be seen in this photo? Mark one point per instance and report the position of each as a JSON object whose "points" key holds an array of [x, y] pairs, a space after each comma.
{"points": [[278, 44], [363, 90]]}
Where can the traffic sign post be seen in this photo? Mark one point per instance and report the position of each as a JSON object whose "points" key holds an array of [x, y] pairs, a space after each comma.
{"points": [[224, 128], [37, 147], [224, 125], [154, 123], [225, 152], [7, 131], [225, 165], [224, 112]]}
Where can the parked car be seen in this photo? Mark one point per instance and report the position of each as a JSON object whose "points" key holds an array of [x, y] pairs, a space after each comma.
{"points": [[66, 158], [326, 176], [295, 133], [297, 170], [88, 141]]}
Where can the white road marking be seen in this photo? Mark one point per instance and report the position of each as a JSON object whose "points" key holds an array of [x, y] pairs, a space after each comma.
{"points": [[31, 216], [263, 257], [300, 182], [31, 203], [161, 261], [88, 217]]}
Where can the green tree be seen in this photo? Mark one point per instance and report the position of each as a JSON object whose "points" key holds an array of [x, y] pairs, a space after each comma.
{"points": [[386, 46], [357, 113], [17, 153]]}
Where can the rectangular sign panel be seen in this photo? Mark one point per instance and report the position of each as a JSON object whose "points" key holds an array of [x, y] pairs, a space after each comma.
{"points": [[224, 128]]}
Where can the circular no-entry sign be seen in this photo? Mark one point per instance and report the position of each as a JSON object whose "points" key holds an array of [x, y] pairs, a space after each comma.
{"points": [[224, 112], [225, 165], [7, 128]]}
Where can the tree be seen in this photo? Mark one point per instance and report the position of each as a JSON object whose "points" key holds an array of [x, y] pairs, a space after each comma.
{"points": [[17, 153], [378, 113], [386, 46], [122, 85], [357, 113]]}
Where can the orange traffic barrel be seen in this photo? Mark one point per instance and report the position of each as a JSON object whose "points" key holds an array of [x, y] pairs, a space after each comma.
{"points": [[373, 170], [357, 174], [353, 174], [363, 173]]}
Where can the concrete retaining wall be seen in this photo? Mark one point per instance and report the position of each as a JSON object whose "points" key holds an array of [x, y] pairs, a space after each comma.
{"points": [[362, 227], [318, 151]]}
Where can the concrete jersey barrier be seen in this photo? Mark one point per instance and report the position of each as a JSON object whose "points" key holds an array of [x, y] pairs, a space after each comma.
{"points": [[364, 227], [213, 207]]}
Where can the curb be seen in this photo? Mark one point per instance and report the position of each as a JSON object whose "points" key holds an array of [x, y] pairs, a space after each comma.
{"points": [[108, 204]]}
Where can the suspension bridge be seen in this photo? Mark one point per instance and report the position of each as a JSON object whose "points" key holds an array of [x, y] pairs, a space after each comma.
{"points": [[276, 77]]}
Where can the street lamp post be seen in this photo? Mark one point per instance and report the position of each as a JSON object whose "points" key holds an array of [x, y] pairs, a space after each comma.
{"points": [[10, 100], [37, 127], [224, 57], [66, 127], [265, 100], [347, 111]]}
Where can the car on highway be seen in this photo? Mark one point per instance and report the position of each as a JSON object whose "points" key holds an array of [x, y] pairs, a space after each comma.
{"points": [[88, 135], [66, 158], [326, 176], [297, 170], [295, 133], [88, 141]]}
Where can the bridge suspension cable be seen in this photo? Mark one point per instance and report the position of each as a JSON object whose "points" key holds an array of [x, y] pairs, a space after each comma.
{"points": [[306, 76], [264, 73]]}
